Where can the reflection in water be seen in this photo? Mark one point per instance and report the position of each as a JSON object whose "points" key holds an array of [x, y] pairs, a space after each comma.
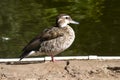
{"points": [[98, 32]]}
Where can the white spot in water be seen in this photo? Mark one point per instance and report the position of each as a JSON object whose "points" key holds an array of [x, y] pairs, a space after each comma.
{"points": [[5, 38]]}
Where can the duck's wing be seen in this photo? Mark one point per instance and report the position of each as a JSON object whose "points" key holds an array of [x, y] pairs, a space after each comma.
{"points": [[46, 35]]}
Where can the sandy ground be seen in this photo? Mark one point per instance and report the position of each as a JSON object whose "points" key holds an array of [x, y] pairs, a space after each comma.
{"points": [[62, 70]]}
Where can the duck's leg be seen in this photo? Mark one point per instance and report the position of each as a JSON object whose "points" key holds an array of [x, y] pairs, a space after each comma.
{"points": [[52, 58]]}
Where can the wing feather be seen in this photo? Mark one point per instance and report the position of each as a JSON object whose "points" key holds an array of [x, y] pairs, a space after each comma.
{"points": [[46, 35]]}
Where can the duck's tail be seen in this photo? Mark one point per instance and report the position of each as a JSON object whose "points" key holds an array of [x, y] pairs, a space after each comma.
{"points": [[23, 55]]}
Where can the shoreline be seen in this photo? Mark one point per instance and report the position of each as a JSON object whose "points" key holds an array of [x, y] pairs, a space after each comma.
{"points": [[62, 70]]}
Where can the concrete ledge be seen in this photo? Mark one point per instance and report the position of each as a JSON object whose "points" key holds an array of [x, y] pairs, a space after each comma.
{"points": [[61, 58]]}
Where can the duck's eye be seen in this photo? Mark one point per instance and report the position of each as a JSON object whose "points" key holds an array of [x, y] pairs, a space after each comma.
{"points": [[66, 17]]}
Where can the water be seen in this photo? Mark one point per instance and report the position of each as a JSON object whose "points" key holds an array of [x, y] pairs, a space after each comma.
{"points": [[97, 34]]}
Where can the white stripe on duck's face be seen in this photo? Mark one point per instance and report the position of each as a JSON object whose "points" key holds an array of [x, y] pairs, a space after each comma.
{"points": [[64, 20]]}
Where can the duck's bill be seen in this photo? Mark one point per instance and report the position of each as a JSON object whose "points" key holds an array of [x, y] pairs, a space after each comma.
{"points": [[74, 22]]}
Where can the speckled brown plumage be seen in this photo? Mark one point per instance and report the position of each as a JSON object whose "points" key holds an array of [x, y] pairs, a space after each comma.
{"points": [[53, 40]]}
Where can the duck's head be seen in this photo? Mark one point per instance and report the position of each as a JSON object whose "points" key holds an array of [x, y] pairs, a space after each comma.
{"points": [[63, 20]]}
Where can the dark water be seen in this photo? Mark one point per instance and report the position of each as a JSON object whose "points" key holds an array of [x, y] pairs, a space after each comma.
{"points": [[97, 34]]}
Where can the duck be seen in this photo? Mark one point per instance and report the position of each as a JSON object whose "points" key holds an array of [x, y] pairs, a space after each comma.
{"points": [[53, 40]]}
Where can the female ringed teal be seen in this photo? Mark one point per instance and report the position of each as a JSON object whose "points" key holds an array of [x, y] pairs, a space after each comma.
{"points": [[52, 41]]}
